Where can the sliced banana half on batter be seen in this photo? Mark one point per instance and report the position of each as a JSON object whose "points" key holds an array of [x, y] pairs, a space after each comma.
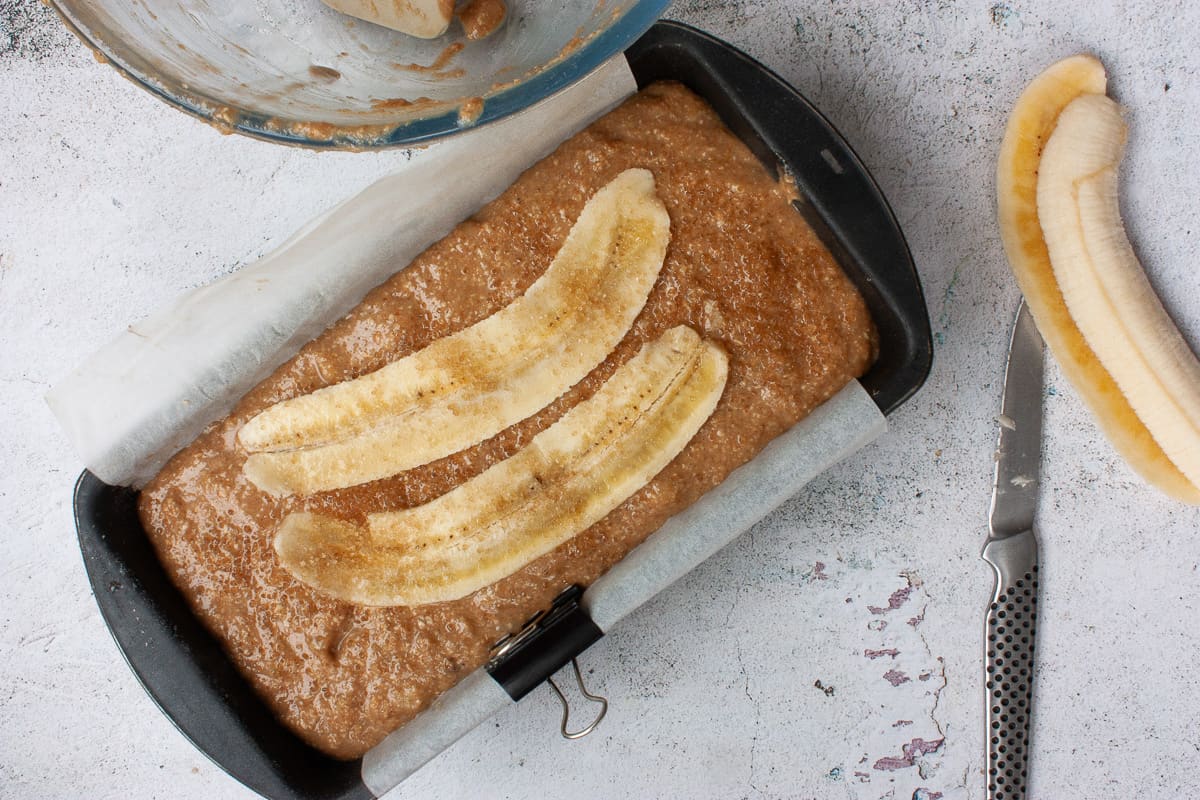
{"points": [[467, 387], [569, 477]]}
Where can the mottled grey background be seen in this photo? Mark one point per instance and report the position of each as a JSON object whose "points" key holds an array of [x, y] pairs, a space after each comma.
{"points": [[832, 652]]}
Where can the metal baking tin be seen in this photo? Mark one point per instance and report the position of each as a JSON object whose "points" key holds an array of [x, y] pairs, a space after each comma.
{"points": [[180, 663]]}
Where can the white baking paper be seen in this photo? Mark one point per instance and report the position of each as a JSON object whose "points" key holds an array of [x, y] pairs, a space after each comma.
{"points": [[154, 388], [462, 708]]}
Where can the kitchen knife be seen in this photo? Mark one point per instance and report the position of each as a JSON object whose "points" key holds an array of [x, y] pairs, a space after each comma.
{"points": [[1012, 550]]}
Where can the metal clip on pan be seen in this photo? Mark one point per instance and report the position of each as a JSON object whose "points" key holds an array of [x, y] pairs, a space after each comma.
{"points": [[562, 698], [545, 643]]}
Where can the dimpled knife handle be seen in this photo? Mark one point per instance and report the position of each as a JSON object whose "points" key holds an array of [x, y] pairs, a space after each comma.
{"points": [[1011, 625]]}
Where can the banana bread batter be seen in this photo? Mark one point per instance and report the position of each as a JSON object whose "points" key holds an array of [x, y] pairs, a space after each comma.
{"points": [[742, 268]]}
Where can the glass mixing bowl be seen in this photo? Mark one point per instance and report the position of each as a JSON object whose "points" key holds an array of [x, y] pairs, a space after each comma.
{"points": [[297, 72]]}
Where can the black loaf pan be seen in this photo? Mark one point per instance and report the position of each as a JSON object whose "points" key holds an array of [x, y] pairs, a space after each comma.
{"points": [[181, 665]]}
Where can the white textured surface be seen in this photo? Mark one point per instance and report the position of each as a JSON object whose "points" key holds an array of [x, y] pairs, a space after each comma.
{"points": [[111, 204]]}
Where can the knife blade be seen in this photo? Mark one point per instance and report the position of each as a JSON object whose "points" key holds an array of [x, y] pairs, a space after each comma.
{"points": [[1012, 551]]}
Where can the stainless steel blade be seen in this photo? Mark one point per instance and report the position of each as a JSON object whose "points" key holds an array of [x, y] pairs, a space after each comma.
{"points": [[1018, 451], [1012, 551]]}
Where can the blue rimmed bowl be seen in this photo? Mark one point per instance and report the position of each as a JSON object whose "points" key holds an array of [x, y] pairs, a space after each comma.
{"points": [[296, 72]]}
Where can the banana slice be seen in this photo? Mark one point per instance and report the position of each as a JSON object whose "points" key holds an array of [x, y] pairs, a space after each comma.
{"points": [[1029, 127], [426, 19], [465, 388], [569, 477], [1103, 284]]}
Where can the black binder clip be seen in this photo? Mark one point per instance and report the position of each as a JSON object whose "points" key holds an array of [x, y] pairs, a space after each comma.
{"points": [[544, 644]]}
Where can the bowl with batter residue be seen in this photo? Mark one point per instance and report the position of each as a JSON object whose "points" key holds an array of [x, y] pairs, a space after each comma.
{"points": [[298, 72]]}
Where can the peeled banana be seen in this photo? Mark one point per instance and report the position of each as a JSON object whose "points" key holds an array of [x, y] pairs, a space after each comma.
{"points": [[1033, 120], [467, 387], [1104, 286], [570, 476]]}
